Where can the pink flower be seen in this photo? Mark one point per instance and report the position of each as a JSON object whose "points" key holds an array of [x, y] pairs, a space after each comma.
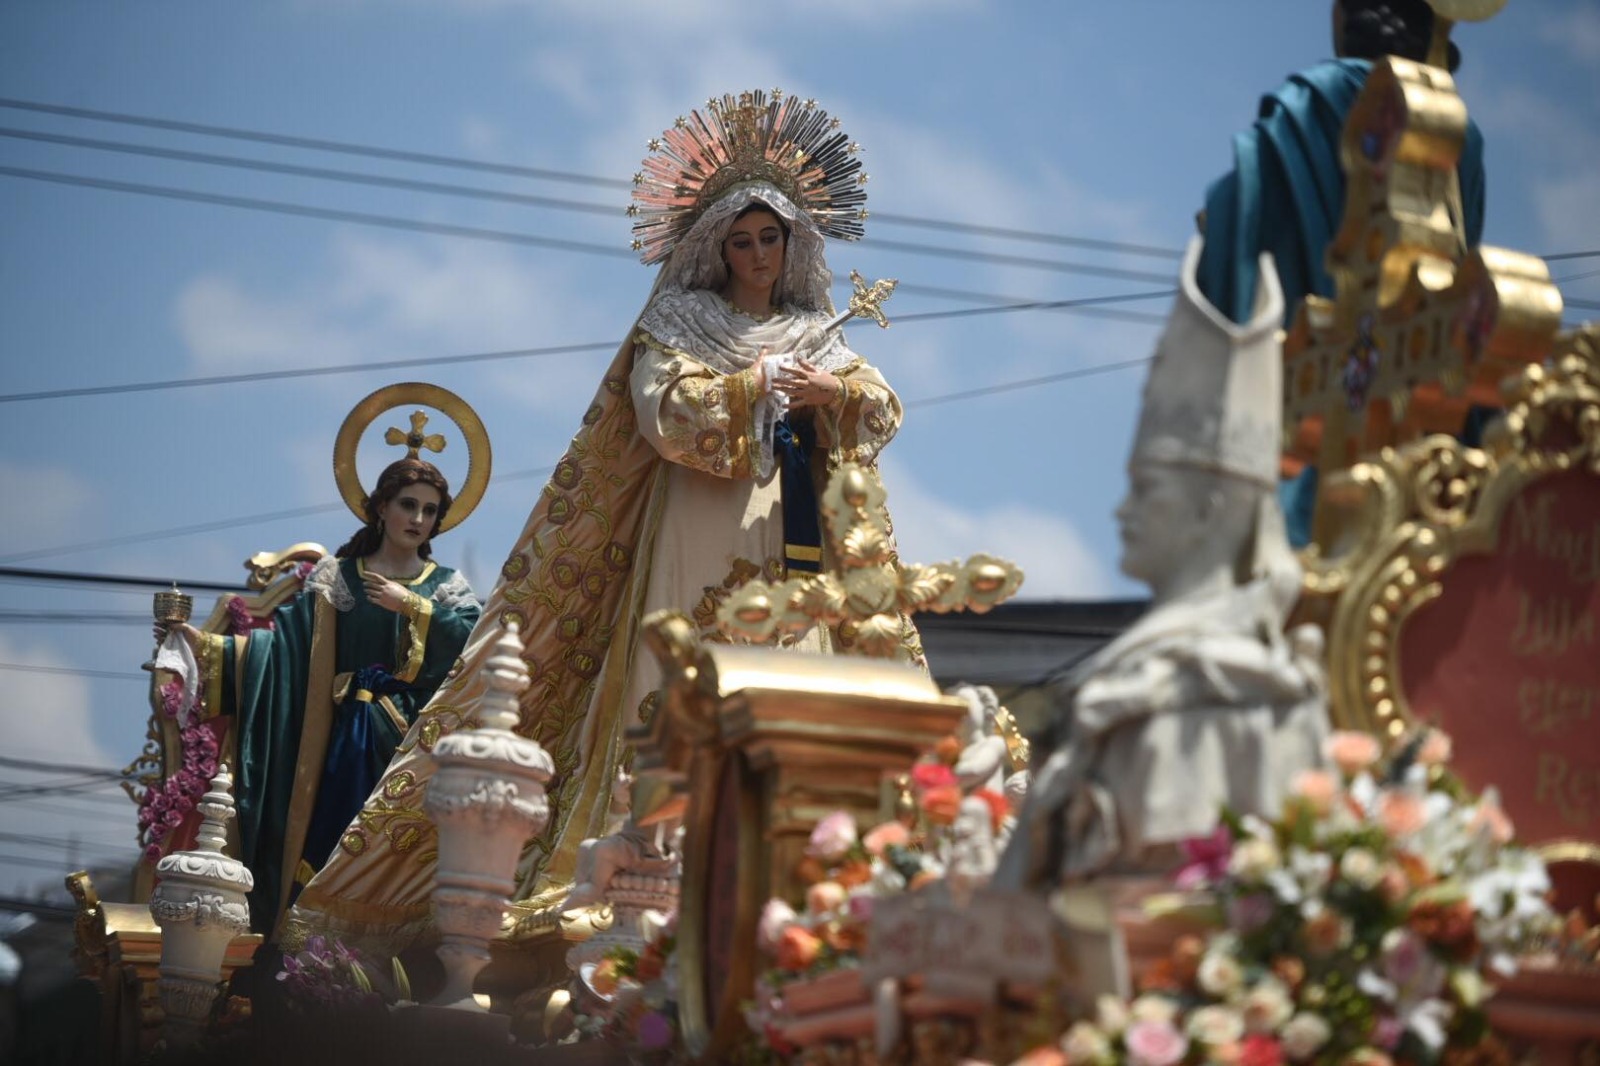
{"points": [[1260, 1050], [1388, 1030], [1435, 749], [1490, 819], [1207, 859], [930, 775], [824, 896], [833, 837], [1352, 751], [1317, 788], [1400, 813], [884, 836], [1154, 1043], [776, 916]]}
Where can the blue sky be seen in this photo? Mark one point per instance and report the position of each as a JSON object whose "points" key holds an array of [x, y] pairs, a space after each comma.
{"points": [[1101, 120]]}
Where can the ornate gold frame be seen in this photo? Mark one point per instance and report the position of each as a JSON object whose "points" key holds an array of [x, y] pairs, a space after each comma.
{"points": [[1399, 521]]}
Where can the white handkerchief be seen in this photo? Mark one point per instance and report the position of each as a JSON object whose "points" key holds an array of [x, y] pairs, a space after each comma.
{"points": [[176, 655]]}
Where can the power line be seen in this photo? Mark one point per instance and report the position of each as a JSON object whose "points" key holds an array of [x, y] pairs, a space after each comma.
{"points": [[40, 766], [352, 177], [1087, 306], [214, 526], [317, 144], [54, 864], [69, 844], [318, 371], [112, 675], [327, 214], [73, 618], [1028, 383], [70, 577], [1032, 305], [1557, 257], [592, 180], [1587, 305]]}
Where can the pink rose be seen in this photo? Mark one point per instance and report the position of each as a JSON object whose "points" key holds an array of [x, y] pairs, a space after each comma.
{"points": [[1351, 751], [1435, 749], [1490, 819], [776, 916], [833, 837], [1154, 1043], [929, 775], [1318, 788], [1400, 813], [884, 836]]}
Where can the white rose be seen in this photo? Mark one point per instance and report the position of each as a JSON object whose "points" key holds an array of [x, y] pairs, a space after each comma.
{"points": [[1086, 1044], [1111, 1014], [1152, 1008], [1253, 859], [1304, 1035], [1220, 975], [776, 916], [1215, 1026], [1361, 868], [1266, 1006]]}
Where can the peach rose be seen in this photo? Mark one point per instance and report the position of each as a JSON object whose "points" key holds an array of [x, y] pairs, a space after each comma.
{"points": [[948, 750], [853, 873], [825, 896], [1435, 749], [1352, 751], [1318, 788], [1491, 819], [797, 949], [884, 836], [1400, 813], [604, 978]]}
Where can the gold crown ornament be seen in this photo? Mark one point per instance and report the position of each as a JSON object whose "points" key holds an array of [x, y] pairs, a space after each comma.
{"points": [[790, 144]]}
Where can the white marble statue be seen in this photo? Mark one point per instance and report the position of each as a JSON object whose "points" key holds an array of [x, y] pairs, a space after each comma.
{"points": [[651, 849], [990, 749], [1205, 701]]}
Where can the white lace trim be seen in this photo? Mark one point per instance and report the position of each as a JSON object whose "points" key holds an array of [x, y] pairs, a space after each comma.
{"points": [[454, 592], [327, 580]]}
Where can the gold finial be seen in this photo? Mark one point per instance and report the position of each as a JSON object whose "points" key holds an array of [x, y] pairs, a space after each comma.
{"points": [[869, 592], [416, 440]]}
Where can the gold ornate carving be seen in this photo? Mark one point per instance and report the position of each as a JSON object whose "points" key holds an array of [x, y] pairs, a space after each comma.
{"points": [[870, 591], [267, 567], [1420, 328], [388, 398], [1404, 518]]}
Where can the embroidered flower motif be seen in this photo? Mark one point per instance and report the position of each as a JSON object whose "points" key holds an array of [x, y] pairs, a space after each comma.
{"points": [[616, 386], [594, 583], [561, 511], [583, 662], [709, 442], [592, 415], [567, 473], [571, 627], [618, 556], [565, 570], [515, 568]]}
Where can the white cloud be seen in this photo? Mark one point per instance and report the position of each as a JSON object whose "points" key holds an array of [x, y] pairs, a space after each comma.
{"points": [[1055, 560], [46, 717], [374, 299], [1576, 31], [46, 505]]}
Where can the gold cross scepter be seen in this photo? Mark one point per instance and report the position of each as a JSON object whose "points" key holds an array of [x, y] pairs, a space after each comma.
{"points": [[866, 302]]}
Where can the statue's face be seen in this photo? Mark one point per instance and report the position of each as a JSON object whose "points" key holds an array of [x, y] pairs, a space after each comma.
{"points": [[1160, 520], [753, 250]]}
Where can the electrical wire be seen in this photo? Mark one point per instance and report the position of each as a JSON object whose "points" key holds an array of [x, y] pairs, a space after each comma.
{"points": [[592, 180], [1028, 383]]}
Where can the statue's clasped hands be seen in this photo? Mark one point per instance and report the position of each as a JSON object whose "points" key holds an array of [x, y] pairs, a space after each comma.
{"points": [[802, 382]]}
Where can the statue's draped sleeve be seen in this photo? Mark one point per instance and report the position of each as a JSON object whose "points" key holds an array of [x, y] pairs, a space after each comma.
{"points": [[694, 415]]}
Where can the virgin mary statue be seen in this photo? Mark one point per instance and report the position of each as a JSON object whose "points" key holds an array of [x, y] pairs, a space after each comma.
{"points": [[697, 467]]}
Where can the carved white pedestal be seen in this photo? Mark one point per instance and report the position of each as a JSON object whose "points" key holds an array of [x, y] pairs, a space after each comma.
{"points": [[652, 886], [199, 903], [487, 799]]}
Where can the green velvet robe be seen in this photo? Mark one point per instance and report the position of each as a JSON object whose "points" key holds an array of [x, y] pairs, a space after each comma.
{"points": [[284, 687]]}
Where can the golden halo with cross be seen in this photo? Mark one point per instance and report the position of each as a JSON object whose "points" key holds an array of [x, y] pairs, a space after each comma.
{"points": [[415, 440]]}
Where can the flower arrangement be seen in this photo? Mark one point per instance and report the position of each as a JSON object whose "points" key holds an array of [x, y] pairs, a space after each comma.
{"points": [[163, 808], [1357, 929], [641, 989], [328, 977]]}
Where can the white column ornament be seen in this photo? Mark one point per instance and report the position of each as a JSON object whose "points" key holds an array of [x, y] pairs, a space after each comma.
{"points": [[487, 799], [199, 903]]}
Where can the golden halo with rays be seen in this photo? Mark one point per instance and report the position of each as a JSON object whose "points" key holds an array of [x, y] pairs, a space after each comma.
{"points": [[453, 407]]}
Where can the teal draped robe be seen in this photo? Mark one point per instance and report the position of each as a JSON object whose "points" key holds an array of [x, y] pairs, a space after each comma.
{"points": [[285, 688], [1285, 195]]}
